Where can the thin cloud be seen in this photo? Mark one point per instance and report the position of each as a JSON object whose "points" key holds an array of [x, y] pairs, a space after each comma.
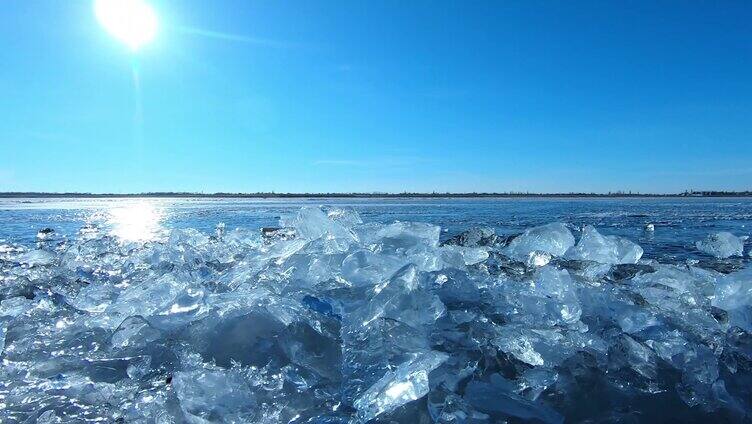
{"points": [[236, 38]]}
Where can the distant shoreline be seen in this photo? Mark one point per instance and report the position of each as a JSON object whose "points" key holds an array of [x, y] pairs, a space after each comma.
{"points": [[42, 195]]}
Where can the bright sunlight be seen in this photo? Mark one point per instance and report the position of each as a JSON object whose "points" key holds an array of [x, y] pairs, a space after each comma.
{"points": [[134, 22]]}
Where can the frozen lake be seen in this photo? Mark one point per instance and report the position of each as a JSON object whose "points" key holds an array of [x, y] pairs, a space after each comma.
{"points": [[375, 311], [679, 222]]}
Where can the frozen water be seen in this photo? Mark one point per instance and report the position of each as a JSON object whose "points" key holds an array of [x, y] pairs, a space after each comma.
{"points": [[324, 318], [722, 245], [407, 383], [211, 396], [593, 246], [553, 239]]}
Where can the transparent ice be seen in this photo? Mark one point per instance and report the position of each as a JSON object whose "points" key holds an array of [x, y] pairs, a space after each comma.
{"points": [[327, 319], [722, 245]]}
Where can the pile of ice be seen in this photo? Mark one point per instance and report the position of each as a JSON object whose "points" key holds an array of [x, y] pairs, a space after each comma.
{"points": [[330, 320]]}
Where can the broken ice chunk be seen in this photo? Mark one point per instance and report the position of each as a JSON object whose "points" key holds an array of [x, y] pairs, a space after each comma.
{"points": [[733, 293], [636, 356], [593, 246], [3, 329], [214, 396], [407, 383], [311, 223], [538, 346], [497, 398], [401, 299], [459, 256], [401, 236], [538, 258], [133, 331], [722, 245], [345, 216], [554, 239], [15, 306], [535, 380], [557, 287], [364, 267], [37, 257]]}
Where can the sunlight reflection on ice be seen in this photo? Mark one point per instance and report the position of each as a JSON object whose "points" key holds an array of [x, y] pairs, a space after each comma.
{"points": [[140, 221]]}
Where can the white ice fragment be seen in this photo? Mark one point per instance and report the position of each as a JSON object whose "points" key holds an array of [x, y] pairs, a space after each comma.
{"points": [[401, 236], [364, 267], [733, 293], [536, 380], [557, 285], [15, 306], [459, 256], [347, 217], [407, 383], [311, 223], [214, 396], [553, 239], [722, 245], [522, 349], [604, 249], [537, 258], [3, 329], [37, 257]]}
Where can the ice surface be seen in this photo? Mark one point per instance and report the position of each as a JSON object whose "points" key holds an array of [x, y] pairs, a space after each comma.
{"points": [[327, 319], [722, 245]]}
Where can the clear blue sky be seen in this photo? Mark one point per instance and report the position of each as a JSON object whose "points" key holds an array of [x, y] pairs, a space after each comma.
{"points": [[380, 95]]}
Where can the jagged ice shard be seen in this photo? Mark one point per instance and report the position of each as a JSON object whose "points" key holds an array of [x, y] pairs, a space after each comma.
{"points": [[328, 319], [722, 245]]}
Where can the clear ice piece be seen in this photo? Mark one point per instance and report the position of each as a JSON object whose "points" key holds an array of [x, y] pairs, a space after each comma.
{"points": [[593, 246], [722, 245], [553, 239], [407, 383]]}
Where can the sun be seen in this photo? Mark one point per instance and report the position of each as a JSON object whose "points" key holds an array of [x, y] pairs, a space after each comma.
{"points": [[134, 22]]}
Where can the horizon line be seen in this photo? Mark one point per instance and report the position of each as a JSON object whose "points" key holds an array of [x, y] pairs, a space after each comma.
{"points": [[374, 194]]}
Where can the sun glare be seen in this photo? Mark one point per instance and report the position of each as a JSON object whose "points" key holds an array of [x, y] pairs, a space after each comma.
{"points": [[138, 221], [134, 22]]}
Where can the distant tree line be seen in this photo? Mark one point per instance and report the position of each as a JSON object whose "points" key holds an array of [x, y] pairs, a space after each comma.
{"points": [[266, 195]]}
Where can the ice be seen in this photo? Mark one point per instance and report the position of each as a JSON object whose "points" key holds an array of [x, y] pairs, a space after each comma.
{"points": [[475, 237], [538, 258], [593, 246], [15, 306], [497, 398], [209, 396], [722, 245], [733, 294], [311, 223], [407, 383], [329, 319], [553, 239], [37, 257], [3, 330]]}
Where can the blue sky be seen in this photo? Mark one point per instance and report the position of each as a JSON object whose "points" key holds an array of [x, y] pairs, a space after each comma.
{"points": [[379, 96]]}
